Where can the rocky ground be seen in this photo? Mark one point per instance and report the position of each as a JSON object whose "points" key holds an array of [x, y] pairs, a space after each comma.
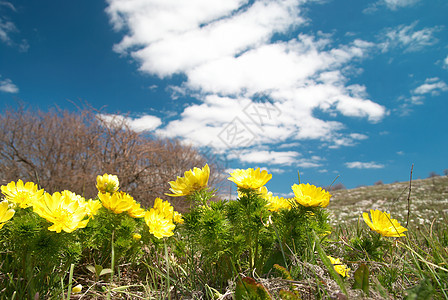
{"points": [[428, 201]]}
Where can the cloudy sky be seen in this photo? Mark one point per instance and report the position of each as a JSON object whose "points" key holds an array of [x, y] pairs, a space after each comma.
{"points": [[355, 89]]}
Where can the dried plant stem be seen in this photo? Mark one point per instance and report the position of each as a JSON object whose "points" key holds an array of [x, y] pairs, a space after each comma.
{"points": [[409, 196]]}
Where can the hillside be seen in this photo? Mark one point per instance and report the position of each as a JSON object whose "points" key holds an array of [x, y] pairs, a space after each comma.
{"points": [[428, 201]]}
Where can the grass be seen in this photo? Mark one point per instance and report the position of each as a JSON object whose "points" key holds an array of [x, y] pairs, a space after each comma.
{"points": [[411, 267], [428, 201]]}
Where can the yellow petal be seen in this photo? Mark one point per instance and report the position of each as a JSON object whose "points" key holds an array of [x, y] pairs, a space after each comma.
{"points": [[77, 289]]}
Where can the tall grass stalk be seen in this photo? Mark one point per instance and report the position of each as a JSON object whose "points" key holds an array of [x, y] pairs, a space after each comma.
{"points": [[168, 288], [281, 245], [327, 263], [70, 280], [431, 267], [112, 266]]}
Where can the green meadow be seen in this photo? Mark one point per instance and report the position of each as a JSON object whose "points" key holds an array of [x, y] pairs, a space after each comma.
{"points": [[311, 246]]}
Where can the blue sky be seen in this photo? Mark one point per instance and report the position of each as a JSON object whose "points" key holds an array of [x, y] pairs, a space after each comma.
{"points": [[355, 89]]}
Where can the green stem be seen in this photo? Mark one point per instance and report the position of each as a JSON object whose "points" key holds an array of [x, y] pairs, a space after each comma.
{"points": [[112, 265], [281, 245], [70, 279], [249, 242], [167, 269], [256, 249], [327, 263]]}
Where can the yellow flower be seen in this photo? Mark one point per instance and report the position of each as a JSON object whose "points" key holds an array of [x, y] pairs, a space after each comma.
{"points": [[177, 218], [136, 211], [340, 268], [310, 195], [137, 237], [117, 202], [63, 210], [277, 203], [92, 207], [164, 208], [23, 195], [74, 197], [264, 193], [5, 213], [192, 181], [77, 289], [158, 225], [383, 224], [107, 183], [250, 178]]}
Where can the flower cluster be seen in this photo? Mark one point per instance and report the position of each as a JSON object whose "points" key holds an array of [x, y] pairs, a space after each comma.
{"points": [[310, 196], [107, 183], [115, 200], [66, 210], [160, 219], [24, 195], [278, 203], [250, 178], [193, 180]]}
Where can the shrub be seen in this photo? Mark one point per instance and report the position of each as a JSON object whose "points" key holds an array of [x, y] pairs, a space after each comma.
{"points": [[61, 150]]}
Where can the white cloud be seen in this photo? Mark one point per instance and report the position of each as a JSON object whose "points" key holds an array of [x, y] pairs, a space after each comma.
{"points": [[140, 124], [445, 62], [347, 140], [276, 171], [273, 157], [6, 28], [390, 4], [433, 86], [164, 18], [222, 38], [394, 4], [7, 86], [224, 49], [358, 136], [281, 158], [363, 165], [407, 38]]}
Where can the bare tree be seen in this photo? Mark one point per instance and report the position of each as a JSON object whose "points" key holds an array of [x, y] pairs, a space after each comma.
{"points": [[66, 150], [336, 187], [433, 174]]}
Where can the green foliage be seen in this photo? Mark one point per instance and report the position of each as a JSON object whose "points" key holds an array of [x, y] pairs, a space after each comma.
{"points": [[249, 289], [34, 259], [361, 277], [370, 246], [288, 295], [284, 273], [330, 268], [389, 276], [96, 238], [242, 235], [423, 290], [220, 242]]}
